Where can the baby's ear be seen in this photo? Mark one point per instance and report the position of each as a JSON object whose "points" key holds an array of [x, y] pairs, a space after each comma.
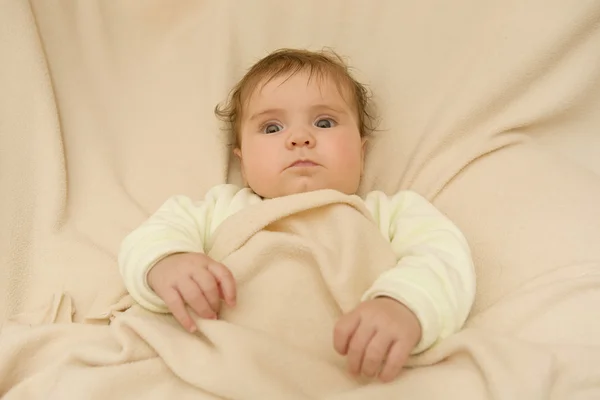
{"points": [[364, 141], [238, 153]]}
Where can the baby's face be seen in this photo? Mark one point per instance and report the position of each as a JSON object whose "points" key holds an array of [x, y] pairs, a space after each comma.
{"points": [[297, 136]]}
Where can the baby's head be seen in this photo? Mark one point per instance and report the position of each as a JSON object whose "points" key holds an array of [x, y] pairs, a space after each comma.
{"points": [[299, 122]]}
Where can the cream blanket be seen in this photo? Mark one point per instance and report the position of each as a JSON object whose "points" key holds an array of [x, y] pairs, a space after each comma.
{"points": [[300, 262], [106, 110]]}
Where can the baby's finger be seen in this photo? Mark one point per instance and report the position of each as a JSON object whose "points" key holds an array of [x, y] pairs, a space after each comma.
{"points": [[176, 305], [396, 359], [210, 288], [375, 354], [343, 331], [226, 282], [358, 345], [193, 295]]}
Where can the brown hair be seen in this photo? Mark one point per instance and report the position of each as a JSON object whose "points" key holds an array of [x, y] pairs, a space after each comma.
{"points": [[324, 63]]}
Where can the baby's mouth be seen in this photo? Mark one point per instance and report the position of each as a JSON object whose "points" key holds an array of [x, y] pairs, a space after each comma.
{"points": [[304, 163]]}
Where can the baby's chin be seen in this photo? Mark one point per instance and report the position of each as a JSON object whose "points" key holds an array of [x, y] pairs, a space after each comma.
{"points": [[296, 188]]}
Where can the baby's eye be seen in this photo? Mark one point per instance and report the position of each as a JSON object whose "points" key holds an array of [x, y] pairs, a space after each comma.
{"points": [[272, 128], [325, 123]]}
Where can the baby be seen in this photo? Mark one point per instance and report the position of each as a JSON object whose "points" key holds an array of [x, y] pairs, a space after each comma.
{"points": [[299, 122]]}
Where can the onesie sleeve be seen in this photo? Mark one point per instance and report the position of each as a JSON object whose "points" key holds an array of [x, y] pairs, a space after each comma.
{"points": [[180, 225], [434, 276]]}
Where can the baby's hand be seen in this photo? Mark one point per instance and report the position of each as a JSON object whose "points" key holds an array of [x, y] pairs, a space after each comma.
{"points": [[193, 279], [378, 337]]}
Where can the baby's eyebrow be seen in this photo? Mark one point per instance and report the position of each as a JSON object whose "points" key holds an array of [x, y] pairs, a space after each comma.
{"points": [[313, 108], [263, 113]]}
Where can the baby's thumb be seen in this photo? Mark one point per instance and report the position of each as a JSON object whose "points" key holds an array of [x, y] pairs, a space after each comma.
{"points": [[343, 331]]}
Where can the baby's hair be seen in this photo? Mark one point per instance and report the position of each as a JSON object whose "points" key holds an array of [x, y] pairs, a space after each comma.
{"points": [[320, 64]]}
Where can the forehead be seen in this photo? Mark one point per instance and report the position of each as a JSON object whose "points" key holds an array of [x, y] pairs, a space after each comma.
{"points": [[298, 89]]}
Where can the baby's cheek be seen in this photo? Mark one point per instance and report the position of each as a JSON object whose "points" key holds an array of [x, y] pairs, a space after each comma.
{"points": [[263, 164], [349, 155]]}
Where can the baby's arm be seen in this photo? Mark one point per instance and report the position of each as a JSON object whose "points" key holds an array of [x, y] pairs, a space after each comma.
{"points": [[178, 226], [435, 276]]}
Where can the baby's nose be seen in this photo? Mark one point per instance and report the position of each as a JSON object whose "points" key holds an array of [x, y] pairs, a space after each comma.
{"points": [[305, 142]]}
